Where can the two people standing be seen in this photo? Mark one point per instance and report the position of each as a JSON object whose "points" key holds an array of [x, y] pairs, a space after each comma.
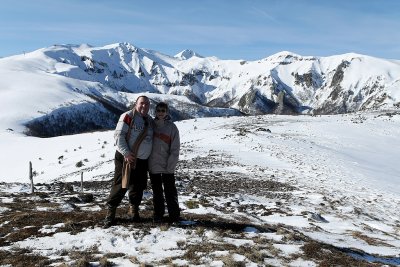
{"points": [[143, 144]]}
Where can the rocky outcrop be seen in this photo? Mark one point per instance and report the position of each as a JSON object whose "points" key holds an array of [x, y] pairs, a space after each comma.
{"points": [[254, 103]]}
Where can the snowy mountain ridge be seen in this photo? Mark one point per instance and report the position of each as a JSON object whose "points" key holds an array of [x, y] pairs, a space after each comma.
{"points": [[84, 88]]}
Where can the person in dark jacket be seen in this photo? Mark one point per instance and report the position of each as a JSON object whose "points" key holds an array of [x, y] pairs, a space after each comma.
{"points": [[132, 126], [162, 163]]}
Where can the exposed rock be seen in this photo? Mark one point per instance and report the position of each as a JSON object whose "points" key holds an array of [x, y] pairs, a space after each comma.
{"points": [[254, 103]]}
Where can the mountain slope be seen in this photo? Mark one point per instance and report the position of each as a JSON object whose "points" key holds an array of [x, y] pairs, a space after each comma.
{"points": [[264, 190]]}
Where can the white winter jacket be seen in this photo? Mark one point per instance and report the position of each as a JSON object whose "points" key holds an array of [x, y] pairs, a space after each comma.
{"points": [[138, 125]]}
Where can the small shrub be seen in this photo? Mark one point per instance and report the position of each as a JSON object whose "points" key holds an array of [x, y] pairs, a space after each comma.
{"points": [[79, 164], [164, 227], [105, 263], [181, 244], [134, 260], [192, 204], [230, 262], [200, 231], [83, 262]]}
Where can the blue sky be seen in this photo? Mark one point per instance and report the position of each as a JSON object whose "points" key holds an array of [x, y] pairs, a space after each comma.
{"points": [[227, 29]]}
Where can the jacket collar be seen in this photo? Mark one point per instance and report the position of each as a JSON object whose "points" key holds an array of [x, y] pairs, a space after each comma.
{"points": [[167, 118]]}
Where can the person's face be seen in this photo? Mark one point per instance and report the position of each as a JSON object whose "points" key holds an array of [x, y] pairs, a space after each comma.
{"points": [[161, 112], [142, 106]]}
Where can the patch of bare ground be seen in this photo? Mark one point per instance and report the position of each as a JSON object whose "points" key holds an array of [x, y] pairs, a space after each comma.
{"points": [[217, 183], [236, 183], [22, 258], [326, 256], [22, 225], [370, 240]]}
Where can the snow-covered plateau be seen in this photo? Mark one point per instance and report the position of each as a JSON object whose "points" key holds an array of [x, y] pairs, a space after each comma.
{"points": [[267, 190]]}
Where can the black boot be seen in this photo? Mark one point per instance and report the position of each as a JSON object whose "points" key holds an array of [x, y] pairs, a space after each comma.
{"points": [[110, 217], [158, 219], [133, 213]]}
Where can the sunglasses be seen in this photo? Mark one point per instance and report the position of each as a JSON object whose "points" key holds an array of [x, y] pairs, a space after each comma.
{"points": [[161, 110]]}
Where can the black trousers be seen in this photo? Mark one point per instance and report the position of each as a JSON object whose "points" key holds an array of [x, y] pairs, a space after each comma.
{"points": [[137, 182], [164, 184]]}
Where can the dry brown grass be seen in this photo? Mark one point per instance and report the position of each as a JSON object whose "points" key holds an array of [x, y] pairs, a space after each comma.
{"points": [[22, 225], [370, 240], [327, 256], [22, 258]]}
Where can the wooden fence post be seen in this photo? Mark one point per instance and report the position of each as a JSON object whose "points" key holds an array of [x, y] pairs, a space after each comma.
{"points": [[31, 176], [81, 182]]}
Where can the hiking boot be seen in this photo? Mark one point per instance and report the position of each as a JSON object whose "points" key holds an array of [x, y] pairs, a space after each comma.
{"points": [[174, 219], [158, 219], [110, 217], [133, 213]]}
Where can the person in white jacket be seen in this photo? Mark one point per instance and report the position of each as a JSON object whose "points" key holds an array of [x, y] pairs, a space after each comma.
{"points": [[162, 163], [132, 126]]}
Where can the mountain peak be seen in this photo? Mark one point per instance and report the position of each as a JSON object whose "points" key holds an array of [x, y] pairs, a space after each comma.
{"points": [[287, 57], [124, 45], [283, 56], [186, 54]]}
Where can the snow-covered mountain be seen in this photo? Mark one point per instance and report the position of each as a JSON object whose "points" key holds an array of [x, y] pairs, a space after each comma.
{"points": [[66, 89]]}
